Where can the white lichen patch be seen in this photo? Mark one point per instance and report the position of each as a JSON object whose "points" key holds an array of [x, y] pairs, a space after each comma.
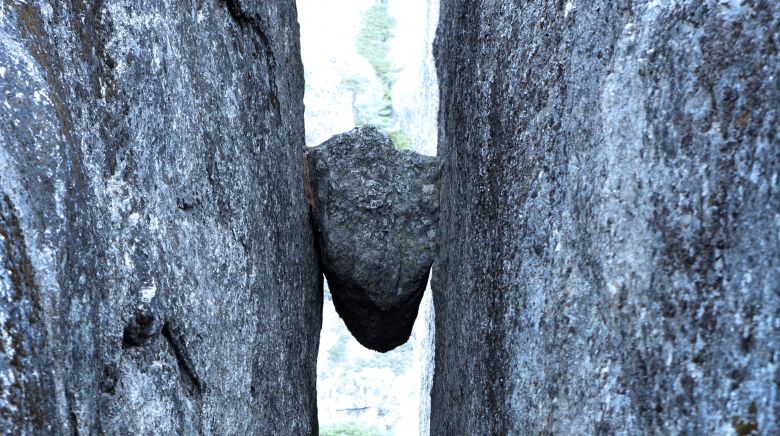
{"points": [[230, 104], [124, 42], [128, 261], [567, 9], [147, 293]]}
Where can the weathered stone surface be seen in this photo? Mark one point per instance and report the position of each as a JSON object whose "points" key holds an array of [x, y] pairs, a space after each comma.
{"points": [[610, 254], [157, 266], [375, 212]]}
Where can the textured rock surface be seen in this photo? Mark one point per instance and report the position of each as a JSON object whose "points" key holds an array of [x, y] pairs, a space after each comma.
{"points": [[375, 212], [610, 254], [158, 272]]}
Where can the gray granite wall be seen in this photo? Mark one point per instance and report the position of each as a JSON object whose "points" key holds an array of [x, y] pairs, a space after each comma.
{"points": [[610, 210], [158, 272]]}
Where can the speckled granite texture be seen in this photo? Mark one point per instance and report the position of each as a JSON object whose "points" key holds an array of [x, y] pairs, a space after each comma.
{"points": [[158, 272], [610, 224]]}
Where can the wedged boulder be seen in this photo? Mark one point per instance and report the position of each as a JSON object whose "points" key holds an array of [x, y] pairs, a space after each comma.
{"points": [[375, 213]]}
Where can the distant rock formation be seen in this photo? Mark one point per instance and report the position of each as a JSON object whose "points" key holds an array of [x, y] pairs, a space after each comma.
{"points": [[375, 212], [157, 265], [610, 254]]}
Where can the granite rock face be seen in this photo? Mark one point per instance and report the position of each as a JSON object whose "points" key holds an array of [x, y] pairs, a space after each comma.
{"points": [[610, 253], [158, 272], [375, 212]]}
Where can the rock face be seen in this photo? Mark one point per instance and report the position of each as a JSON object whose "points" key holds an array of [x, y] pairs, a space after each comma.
{"points": [[375, 212], [157, 266], [610, 254]]}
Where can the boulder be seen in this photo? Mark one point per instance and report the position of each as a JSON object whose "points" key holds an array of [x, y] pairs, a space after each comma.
{"points": [[375, 214]]}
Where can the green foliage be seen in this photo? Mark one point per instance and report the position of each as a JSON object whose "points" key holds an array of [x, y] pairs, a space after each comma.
{"points": [[397, 360], [372, 41], [350, 429], [354, 83], [400, 358], [338, 352], [401, 140]]}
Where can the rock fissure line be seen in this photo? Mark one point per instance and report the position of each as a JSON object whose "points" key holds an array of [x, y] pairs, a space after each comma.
{"points": [[178, 344], [146, 325], [255, 22]]}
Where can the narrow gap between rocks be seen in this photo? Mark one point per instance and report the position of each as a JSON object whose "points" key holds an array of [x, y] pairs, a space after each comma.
{"points": [[370, 62]]}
